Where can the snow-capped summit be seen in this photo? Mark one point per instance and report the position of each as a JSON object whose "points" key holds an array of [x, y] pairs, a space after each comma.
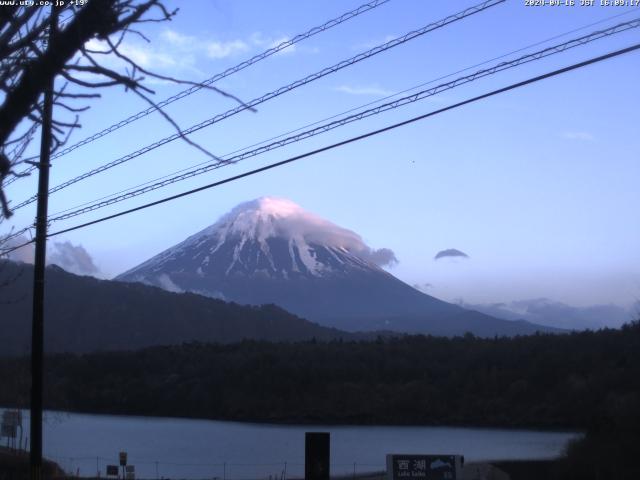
{"points": [[267, 237], [269, 217], [271, 250]]}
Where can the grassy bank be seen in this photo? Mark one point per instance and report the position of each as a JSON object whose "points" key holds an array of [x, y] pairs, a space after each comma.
{"points": [[14, 465]]}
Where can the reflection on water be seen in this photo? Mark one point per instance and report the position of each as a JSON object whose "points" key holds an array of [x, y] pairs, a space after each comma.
{"points": [[182, 448]]}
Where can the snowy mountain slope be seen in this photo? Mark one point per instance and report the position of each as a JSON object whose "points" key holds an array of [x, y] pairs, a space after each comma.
{"points": [[270, 250], [268, 237]]}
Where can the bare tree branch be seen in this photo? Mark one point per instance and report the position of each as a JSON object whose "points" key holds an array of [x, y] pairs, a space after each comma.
{"points": [[29, 60]]}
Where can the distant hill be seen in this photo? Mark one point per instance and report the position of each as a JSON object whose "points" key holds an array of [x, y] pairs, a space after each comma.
{"points": [[84, 314], [544, 311], [270, 250]]}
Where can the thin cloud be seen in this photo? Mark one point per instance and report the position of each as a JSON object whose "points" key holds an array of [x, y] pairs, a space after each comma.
{"points": [[265, 42], [423, 287], [148, 57], [181, 44], [178, 39], [372, 43], [580, 136], [174, 52], [450, 253], [22, 254], [544, 311], [214, 49], [70, 257], [287, 51], [383, 257], [217, 50], [158, 57], [364, 90]]}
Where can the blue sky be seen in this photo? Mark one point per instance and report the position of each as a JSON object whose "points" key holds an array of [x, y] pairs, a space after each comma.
{"points": [[538, 186]]}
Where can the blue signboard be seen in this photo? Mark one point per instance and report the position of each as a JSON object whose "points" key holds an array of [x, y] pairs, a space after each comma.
{"points": [[424, 467]]}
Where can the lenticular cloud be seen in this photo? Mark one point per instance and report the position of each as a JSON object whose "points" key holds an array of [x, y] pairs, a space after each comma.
{"points": [[449, 253]]}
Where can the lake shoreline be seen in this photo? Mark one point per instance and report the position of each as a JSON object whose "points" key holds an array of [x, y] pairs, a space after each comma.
{"points": [[311, 422], [192, 448], [17, 462]]}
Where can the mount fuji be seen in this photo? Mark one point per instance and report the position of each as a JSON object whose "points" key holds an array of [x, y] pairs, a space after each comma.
{"points": [[271, 251]]}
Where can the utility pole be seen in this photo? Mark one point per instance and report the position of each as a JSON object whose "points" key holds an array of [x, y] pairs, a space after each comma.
{"points": [[37, 332]]}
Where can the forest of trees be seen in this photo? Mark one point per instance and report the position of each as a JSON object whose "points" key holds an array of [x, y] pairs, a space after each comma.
{"points": [[545, 381], [588, 381]]}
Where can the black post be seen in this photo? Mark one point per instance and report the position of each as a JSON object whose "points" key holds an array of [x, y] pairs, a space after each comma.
{"points": [[37, 331], [316, 455]]}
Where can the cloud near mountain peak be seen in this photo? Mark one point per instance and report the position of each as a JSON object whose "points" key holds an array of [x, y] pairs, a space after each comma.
{"points": [[274, 216]]}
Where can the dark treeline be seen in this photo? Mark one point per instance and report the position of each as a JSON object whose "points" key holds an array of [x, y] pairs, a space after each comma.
{"points": [[577, 380], [588, 380]]}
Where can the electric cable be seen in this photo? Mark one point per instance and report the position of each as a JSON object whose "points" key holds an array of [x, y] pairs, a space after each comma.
{"points": [[421, 95], [394, 126], [219, 76], [275, 93]]}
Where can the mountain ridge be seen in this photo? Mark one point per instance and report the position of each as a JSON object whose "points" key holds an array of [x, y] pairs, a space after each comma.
{"points": [[270, 250], [84, 314]]}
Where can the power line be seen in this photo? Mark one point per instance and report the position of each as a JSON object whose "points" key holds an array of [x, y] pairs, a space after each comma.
{"points": [[116, 198], [379, 100], [19, 233], [492, 93], [555, 37], [262, 142], [276, 93], [219, 76]]}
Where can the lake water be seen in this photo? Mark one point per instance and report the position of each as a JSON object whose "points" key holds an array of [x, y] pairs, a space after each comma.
{"points": [[198, 449]]}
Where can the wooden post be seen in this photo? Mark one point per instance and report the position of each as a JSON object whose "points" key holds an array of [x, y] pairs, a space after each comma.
{"points": [[316, 456], [37, 332]]}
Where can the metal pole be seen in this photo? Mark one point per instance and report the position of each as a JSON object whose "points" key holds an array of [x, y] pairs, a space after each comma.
{"points": [[37, 332]]}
